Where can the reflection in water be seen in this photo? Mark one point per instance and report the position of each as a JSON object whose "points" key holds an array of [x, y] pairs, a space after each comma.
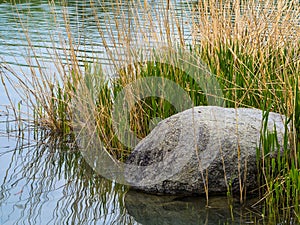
{"points": [[171, 210], [48, 182]]}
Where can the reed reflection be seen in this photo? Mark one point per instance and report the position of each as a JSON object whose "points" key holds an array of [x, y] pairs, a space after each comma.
{"points": [[47, 181]]}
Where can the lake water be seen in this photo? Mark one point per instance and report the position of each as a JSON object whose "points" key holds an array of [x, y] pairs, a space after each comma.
{"points": [[44, 180]]}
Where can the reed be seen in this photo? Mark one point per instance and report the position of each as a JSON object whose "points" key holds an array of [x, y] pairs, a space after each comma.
{"points": [[252, 48]]}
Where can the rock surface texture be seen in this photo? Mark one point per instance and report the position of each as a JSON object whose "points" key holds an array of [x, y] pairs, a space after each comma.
{"points": [[205, 145]]}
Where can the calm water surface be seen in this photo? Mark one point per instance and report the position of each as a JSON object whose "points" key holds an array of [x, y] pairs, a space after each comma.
{"points": [[45, 180]]}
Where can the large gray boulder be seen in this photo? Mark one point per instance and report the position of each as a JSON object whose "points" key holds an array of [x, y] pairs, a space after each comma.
{"points": [[206, 146]]}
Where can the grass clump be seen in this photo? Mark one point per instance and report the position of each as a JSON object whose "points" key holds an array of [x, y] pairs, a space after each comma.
{"points": [[279, 176]]}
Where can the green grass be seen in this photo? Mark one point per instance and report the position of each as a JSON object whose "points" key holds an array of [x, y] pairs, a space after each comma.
{"points": [[279, 177]]}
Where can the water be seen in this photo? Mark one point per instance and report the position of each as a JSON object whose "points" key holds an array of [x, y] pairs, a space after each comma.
{"points": [[45, 180]]}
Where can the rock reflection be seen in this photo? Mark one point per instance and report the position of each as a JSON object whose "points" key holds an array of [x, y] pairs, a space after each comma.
{"points": [[152, 210]]}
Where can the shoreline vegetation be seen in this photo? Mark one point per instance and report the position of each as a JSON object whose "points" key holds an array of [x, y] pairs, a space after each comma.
{"points": [[251, 48]]}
